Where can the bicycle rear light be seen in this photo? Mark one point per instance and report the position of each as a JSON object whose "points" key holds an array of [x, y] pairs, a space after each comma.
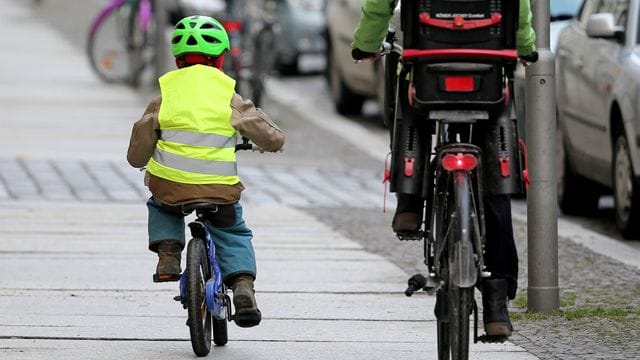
{"points": [[459, 161], [459, 83]]}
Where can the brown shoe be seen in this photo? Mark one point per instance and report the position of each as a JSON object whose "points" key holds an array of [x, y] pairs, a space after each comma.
{"points": [[244, 301], [406, 225], [495, 314], [168, 268]]}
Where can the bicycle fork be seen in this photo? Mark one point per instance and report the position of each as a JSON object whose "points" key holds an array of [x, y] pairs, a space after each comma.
{"points": [[216, 300]]}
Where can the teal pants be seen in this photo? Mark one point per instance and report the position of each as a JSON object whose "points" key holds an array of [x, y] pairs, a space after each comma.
{"points": [[234, 250]]}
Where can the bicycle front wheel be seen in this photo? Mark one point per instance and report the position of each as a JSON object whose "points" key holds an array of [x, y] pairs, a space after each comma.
{"points": [[200, 318], [107, 43], [262, 63]]}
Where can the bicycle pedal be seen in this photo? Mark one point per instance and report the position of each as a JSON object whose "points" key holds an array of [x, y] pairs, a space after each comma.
{"points": [[177, 298], [165, 278], [410, 235], [492, 339]]}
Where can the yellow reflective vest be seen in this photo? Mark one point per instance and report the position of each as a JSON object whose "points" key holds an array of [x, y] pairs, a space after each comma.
{"points": [[197, 142]]}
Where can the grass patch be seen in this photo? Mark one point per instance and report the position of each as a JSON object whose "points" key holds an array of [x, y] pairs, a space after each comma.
{"points": [[587, 312], [568, 309]]}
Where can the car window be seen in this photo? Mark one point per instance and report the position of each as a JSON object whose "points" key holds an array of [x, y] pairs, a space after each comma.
{"points": [[617, 7], [587, 10], [560, 8]]}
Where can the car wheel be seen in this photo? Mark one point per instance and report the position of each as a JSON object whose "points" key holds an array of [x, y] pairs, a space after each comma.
{"points": [[346, 102], [625, 190], [576, 195], [288, 69]]}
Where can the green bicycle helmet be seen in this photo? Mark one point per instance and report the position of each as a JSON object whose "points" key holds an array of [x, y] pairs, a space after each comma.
{"points": [[199, 34]]}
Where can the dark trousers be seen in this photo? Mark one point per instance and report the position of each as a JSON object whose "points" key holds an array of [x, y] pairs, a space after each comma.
{"points": [[501, 255]]}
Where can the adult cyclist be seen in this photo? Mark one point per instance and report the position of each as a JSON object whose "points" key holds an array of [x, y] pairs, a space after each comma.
{"points": [[501, 254]]}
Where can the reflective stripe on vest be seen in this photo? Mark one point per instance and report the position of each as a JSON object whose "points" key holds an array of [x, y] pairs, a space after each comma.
{"points": [[197, 141]]}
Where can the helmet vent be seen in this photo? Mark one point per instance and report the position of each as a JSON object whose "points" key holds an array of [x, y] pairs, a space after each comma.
{"points": [[192, 41], [210, 39], [192, 24], [180, 26], [176, 39]]}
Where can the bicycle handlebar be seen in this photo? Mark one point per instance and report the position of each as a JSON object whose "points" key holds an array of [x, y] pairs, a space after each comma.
{"points": [[246, 145]]}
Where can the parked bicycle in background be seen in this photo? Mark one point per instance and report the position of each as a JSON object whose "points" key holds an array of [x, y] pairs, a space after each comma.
{"points": [[120, 41]]}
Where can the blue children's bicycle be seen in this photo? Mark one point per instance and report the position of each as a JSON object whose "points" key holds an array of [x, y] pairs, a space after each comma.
{"points": [[202, 291]]}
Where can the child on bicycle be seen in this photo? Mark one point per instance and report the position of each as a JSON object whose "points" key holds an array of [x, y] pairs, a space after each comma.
{"points": [[501, 254], [186, 139]]}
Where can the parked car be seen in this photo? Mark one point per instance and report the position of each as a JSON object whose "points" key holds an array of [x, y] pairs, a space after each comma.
{"points": [[598, 93], [350, 83], [301, 46], [561, 12]]}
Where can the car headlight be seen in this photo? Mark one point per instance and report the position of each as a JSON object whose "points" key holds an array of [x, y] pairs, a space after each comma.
{"points": [[306, 5]]}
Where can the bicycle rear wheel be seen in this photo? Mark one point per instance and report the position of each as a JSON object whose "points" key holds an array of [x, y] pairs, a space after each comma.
{"points": [[220, 333], [462, 271], [442, 315], [200, 318], [460, 300], [107, 43]]}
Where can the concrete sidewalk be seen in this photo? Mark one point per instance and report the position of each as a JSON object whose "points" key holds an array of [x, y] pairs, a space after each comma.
{"points": [[76, 275]]}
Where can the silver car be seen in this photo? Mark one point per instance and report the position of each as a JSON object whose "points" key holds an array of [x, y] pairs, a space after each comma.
{"points": [[598, 75], [351, 83]]}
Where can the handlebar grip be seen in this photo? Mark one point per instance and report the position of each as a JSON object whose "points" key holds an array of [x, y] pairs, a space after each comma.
{"points": [[533, 57], [415, 283]]}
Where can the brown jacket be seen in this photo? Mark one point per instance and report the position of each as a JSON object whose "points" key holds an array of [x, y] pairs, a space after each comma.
{"points": [[249, 121]]}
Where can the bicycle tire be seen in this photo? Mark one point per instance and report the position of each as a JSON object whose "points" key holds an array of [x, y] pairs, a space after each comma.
{"points": [[220, 332], [199, 318], [442, 323], [137, 45], [262, 63], [106, 43], [459, 298]]}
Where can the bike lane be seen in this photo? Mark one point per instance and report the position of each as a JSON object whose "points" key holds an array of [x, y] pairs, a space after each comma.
{"points": [[76, 278]]}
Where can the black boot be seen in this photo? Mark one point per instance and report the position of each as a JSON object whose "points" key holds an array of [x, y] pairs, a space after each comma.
{"points": [[494, 303]]}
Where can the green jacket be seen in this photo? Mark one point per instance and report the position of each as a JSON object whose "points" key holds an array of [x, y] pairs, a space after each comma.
{"points": [[376, 15]]}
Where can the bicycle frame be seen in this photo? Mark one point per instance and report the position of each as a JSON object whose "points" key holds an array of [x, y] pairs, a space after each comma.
{"points": [[216, 299]]}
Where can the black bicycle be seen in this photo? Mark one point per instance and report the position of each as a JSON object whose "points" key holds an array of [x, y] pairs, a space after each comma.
{"points": [[454, 141]]}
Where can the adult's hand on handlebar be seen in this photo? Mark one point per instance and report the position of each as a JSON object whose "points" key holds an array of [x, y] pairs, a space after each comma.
{"points": [[359, 55], [529, 58]]}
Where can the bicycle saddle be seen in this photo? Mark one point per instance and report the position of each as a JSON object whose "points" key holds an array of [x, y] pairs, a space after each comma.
{"points": [[209, 207]]}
